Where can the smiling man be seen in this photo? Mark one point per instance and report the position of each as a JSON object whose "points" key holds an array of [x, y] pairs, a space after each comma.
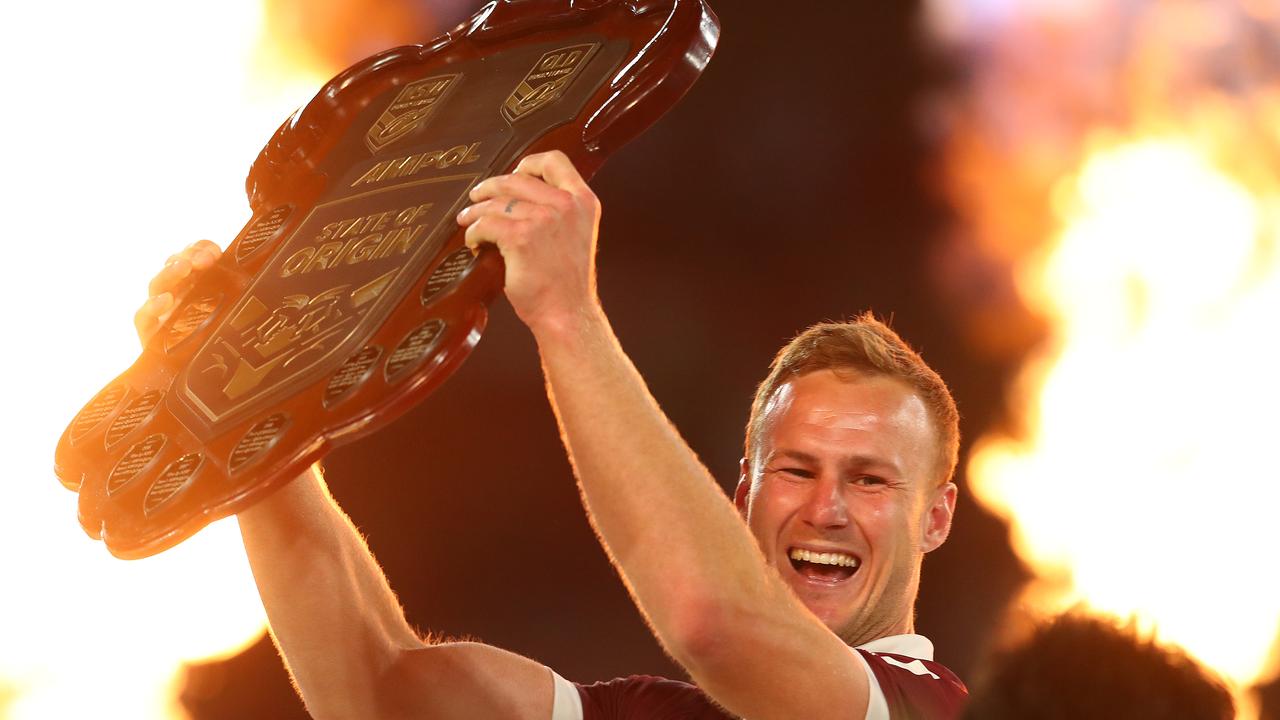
{"points": [[793, 600], [845, 482], [845, 485]]}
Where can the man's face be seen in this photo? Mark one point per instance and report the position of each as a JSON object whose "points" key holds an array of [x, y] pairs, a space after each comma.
{"points": [[842, 497]]}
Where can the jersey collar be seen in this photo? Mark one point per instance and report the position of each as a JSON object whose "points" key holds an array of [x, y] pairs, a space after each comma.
{"points": [[914, 646]]}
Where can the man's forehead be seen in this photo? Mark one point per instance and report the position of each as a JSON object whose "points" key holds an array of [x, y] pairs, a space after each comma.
{"points": [[779, 400], [854, 460], [846, 393], [879, 411]]}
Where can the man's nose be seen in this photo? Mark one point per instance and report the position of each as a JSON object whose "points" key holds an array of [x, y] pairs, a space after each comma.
{"points": [[827, 506]]}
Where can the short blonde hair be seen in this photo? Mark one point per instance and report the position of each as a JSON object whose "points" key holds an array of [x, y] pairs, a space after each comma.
{"points": [[864, 345]]}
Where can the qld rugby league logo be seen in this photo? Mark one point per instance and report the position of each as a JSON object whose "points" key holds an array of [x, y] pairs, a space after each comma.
{"points": [[408, 111], [547, 81]]}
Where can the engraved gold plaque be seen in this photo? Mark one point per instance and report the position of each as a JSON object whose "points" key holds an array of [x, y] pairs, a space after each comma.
{"points": [[448, 272], [261, 232], [258, 440], [134, 462], [412, 349], [351, 375], [190, 319], [96, 411], [132, 416], [177, 474]]}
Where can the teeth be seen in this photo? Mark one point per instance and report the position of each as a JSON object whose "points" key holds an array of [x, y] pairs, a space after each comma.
{"points": [[831, 558]]}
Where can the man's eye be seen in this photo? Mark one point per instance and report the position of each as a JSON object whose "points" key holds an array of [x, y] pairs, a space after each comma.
{"points": [[796, 472], [868, 480]]}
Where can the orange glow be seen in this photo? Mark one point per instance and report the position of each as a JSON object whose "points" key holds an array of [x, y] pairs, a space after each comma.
{"points": [[139, 122], [1123, 160], [1144, 478]]}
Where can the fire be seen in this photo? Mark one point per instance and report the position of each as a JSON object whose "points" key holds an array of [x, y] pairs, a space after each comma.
{"points": [[138, 140], [1121, 159], [1144, 478]]}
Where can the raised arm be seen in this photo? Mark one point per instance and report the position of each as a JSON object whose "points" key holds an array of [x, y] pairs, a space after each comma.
{"points": [[686, 555], [335, 619]]}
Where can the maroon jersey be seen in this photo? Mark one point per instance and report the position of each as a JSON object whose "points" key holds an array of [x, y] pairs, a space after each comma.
{"points": [[645, 697], [903, 687], [911, 688]]}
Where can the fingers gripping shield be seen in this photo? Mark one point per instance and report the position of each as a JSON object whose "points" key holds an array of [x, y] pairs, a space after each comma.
{"points": [[349, 296]]}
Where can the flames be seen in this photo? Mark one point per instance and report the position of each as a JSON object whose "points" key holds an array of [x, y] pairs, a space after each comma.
{"points": [[133, 142], [1137, 205], [1143, 479]]}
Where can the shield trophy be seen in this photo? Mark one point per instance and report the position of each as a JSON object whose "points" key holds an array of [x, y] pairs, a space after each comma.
{"points": [[349, 295]]}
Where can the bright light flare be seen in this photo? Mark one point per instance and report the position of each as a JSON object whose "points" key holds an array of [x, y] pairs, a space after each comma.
{"points": [[1123, 157], [131, 127], [1146, 481]]}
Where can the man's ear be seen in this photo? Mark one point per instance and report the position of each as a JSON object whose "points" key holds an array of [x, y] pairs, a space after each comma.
{"points": [[937, 518], [744, 487]]}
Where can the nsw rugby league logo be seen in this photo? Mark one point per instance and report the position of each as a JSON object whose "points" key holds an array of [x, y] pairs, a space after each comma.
{"points": [[408, 111]]}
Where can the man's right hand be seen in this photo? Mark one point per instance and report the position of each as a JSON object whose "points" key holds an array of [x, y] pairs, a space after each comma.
{"points": [[171, 284], [544, 219]]}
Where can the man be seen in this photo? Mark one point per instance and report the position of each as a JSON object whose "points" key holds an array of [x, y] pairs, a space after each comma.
{"points": [[845, 485], [1079, 665]]}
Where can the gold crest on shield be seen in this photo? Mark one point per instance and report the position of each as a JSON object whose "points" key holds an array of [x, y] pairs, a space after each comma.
{"points": [[408, 111], [547, 81]]}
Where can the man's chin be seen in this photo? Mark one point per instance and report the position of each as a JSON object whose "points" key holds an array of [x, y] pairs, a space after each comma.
{"points": [[836, 610]]}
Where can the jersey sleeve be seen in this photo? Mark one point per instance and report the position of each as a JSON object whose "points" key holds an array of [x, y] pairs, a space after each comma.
{"points": [[566, 703], [646, 697], [902, 688], [912, 689]]}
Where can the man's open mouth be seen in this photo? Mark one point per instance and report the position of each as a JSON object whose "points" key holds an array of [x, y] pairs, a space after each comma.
{"points": [[826, 567]]}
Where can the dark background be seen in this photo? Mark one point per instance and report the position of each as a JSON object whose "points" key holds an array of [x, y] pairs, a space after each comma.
{"points": [[792, 185]]}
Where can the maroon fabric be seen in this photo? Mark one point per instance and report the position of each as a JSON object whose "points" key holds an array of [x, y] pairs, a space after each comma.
{"points": [[644, 697], [923, 690]]}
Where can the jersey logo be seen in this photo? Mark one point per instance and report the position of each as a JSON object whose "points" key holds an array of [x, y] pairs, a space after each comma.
{"points": [[915, 667]]}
